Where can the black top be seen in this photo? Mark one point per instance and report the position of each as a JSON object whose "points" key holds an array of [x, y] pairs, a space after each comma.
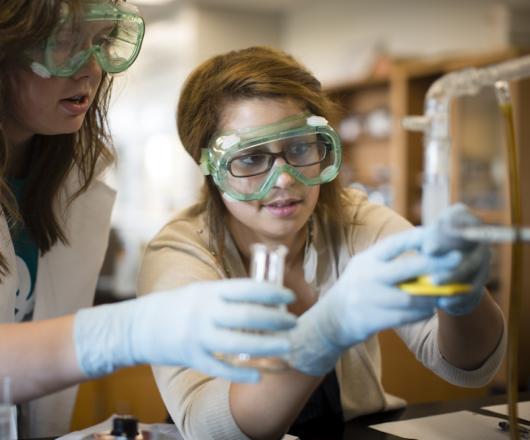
{"points": [[322, 410]]}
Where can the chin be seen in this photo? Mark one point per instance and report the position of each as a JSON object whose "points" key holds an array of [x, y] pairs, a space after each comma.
{"points": [[71, 128], [284, 231]]}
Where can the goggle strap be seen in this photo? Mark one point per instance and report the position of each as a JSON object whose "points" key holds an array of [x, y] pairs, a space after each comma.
{"points": [[204, 162], [40, 70], [316, 121]]}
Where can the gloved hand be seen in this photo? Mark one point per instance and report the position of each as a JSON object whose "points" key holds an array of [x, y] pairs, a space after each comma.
{"points": [[186, 327], [442, 237], [365, 300]]}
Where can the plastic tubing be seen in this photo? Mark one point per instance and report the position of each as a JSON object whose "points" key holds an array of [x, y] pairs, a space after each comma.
{"points": [[504, 99]]}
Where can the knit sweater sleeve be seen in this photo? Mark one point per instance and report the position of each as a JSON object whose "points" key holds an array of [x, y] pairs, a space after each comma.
{"points": [[198, 404], [422, 340], [373, 223]]}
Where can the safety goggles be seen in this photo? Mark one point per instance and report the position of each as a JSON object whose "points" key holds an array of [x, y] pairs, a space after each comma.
{"points": [[111, 32], [245, 163]]}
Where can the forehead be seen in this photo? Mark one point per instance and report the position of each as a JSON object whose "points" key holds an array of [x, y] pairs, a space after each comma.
{"points": [[102, 13], [83, 27], [255, 112]]}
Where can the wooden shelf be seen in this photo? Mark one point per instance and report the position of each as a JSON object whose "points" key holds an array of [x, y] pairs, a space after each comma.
{"points": [[477, 138]]}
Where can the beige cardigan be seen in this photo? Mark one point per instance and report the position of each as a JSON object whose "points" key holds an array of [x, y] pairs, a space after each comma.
{"points": [[199, 405]]}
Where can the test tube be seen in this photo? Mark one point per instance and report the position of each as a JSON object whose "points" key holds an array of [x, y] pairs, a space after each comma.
{"points": [[8, 411], [267, 265]]}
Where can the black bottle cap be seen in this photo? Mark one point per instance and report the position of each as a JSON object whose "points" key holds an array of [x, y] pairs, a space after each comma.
{"points": [[125, 426]]}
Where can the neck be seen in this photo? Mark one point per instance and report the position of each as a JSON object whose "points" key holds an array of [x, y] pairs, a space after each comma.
{"points": [[18, 152], [295, 244]]}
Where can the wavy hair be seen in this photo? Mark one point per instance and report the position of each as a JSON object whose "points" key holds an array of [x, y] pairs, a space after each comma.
{"points": [[255, 72], [25, 24]]}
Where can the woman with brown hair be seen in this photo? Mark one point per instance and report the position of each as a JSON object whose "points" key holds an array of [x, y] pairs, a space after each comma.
{"points": [[56, 62], [256, 122]]}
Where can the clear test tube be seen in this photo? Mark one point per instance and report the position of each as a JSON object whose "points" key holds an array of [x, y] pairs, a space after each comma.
{"points": [[8, 411], [267, 265]]}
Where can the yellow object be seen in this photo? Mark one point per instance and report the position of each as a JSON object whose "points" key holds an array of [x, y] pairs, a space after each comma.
{"points": [[424, 286]]}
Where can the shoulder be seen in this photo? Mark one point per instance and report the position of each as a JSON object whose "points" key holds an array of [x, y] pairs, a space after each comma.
{"points": [[98, 189], [367, 222], [178, 255], [187, 229]]}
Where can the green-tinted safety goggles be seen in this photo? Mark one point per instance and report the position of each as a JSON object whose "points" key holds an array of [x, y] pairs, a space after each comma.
{"points": [[243, 163], [111, 32]]}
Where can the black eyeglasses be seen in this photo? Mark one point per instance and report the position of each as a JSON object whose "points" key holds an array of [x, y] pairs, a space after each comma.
{"points": [[296, 153]]}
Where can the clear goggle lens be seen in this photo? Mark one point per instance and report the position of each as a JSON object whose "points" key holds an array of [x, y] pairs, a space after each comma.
{"points": [[249, 170], [246, 164], [112, 36]]}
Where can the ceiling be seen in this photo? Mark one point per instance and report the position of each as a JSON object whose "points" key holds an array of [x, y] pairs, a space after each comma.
{"points": [[154, 10], [158, 9]]}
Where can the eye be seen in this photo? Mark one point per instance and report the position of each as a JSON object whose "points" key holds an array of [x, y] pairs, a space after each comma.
{"points": [[251, 160], [106, 36], [249, 164], [300, 148], [62, 41]]}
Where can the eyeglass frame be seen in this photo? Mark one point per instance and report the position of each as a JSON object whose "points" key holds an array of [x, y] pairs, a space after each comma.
{"points": [[282, 154]]}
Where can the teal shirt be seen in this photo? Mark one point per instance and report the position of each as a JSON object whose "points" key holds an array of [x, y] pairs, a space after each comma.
{"points": [[27, 256]]}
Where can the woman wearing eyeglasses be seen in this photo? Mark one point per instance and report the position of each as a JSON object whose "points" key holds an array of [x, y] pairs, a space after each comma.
{"points": [[257, 123]]}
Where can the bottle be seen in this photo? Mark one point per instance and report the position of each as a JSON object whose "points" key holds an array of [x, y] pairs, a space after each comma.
{"points": [[8, 411], [267, 265], [123, 428]]}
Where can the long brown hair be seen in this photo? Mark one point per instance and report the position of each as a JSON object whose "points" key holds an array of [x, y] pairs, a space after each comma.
{"points": [[25, 24], [249, 73]]}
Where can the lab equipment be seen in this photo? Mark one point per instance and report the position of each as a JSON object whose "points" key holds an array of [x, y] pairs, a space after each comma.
{"points": [[423, 285], [435, 125], [365, 300], [186, 326], [123, 428], [8, 411], [242, 162], [267, 264], [523, 430], [494, 233], [474, 269], [114, 31]]}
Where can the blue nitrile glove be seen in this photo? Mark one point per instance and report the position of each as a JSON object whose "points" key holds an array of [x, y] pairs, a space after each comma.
{"points": [[365, 300], [186, 326], [441, 237]]}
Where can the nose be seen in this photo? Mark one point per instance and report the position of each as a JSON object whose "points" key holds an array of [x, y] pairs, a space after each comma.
{"points": [[90, 69], [284, 180]]}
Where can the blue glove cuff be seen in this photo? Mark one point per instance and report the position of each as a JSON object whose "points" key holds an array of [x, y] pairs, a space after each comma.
{"points": [[311, 352], [102, 338]]}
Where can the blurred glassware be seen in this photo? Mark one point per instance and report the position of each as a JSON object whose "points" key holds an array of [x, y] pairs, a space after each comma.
{"points": [[267, 264], [8, 411], [376, 124]]}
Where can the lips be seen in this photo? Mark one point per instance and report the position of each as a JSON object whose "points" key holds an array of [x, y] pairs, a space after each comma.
{"points": [[283, 208], [282, 203], [75, 104], [77, 98]]}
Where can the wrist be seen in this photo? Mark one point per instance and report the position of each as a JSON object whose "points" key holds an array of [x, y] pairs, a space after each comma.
{"points": [[313, 351], [102, 338]]}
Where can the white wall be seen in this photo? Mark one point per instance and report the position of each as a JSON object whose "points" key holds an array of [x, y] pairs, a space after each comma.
{"points": [[222, 29], [334, 38]]}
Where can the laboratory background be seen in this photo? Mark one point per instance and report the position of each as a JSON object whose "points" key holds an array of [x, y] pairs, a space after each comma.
{"points": [[377, 59]]}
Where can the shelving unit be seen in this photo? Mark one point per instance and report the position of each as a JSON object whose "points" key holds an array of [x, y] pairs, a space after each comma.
{"points": [[395, 164]]}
